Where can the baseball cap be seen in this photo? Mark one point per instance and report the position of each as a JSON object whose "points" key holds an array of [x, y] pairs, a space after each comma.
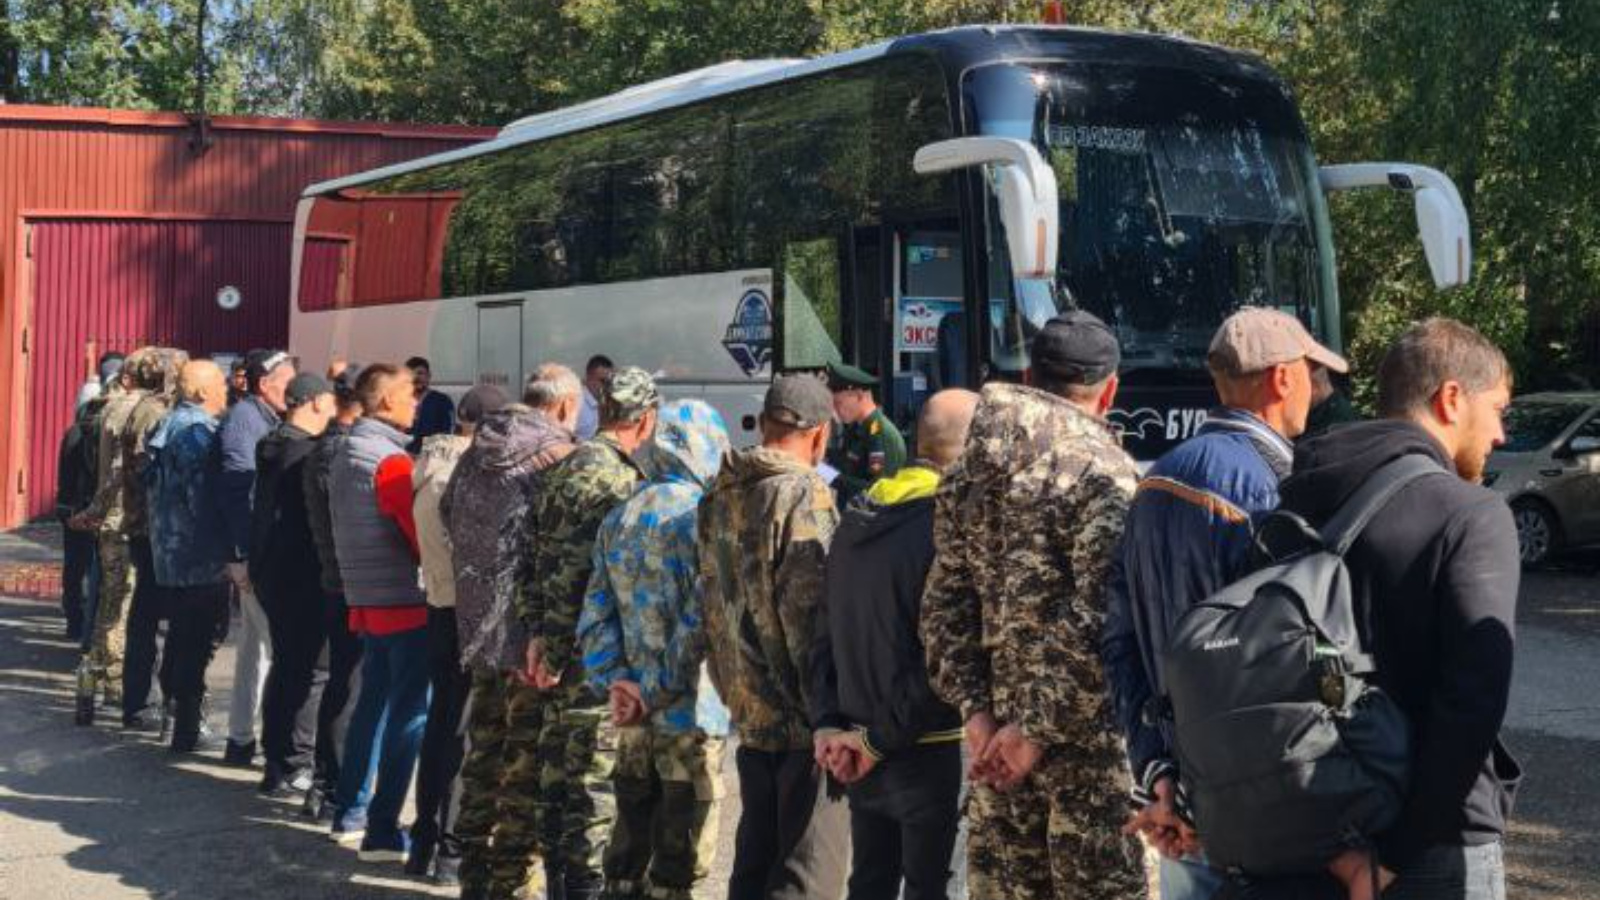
{"points": [[1257, 337], [259, 363], [628, 392], [304, 388], [1076, 347], [344, 384], [798, 400], [479, 402]]}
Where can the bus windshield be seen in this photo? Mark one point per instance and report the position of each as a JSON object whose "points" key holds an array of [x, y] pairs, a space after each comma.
{"points": [[1184, 196]]}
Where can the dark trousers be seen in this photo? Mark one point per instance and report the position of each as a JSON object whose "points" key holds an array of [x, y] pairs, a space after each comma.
{"points": [[794, 832], [289, 703], [145, 614], [341, 659], [196, 614], [78, 582], [444, 742], [903, 820]]}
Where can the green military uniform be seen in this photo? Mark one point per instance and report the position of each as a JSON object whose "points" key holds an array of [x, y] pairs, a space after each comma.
{"points": [[501, 827], [867, 450], [577, 744], [1025, 527]]}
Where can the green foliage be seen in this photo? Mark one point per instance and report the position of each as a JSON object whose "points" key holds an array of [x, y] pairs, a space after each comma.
{"points": [[1500, 95]]}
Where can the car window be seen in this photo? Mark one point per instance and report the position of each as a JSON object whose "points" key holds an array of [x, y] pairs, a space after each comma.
{"points": [[1532, 426]]}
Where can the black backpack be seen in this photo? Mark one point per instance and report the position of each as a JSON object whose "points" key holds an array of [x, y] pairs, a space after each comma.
{"points": [[1288, 754]]}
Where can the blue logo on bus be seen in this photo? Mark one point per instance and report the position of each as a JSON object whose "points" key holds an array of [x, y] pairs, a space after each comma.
{"points": [[749, 335]]}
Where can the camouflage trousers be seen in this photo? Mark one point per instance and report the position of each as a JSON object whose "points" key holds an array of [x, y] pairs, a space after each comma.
{"points": [[498, 825], [1057, 836], [575, 802], [111, 618], [665, 834]]}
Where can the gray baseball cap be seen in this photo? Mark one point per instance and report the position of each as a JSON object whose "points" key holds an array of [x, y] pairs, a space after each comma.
{"points": [[798, 400]]}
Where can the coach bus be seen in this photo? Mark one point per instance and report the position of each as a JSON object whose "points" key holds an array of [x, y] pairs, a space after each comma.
{"points": [[916, 208]]}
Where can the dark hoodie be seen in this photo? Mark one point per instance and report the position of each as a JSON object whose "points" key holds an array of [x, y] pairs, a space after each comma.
{"points": [[484, 502], [1435, 576], [868, 663], [283, 551]]}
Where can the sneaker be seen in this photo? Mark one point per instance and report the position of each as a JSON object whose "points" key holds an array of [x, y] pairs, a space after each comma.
{"points": [[393, 847], [241, 755], [318, 806], [141, 722], [420, 860], [447, 871], [284, 787], [201, 743], [348, 829], [168, 708]]}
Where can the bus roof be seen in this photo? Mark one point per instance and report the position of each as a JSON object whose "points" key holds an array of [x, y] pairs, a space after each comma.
{"points": [[960, 48]]}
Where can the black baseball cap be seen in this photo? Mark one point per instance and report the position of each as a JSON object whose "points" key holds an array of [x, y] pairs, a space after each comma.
{"points": [[1077, 348], [479, 402], [798, 400], [304, 388], [260, 363], [344, 384]]}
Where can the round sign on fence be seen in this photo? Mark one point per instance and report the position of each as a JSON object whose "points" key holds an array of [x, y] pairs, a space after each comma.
{"points": [[229, 298]]}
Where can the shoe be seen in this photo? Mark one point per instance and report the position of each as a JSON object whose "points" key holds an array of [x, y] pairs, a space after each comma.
{"points": [[284, 787], [200, 743], [447, 871], [348, 829], [241, 755], [168, 707], [318, 806], [141, 723], [420, 861], [393, 847]]}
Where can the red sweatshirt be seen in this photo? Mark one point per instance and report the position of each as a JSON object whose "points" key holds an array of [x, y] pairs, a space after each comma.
{"points": [[392, 485]]}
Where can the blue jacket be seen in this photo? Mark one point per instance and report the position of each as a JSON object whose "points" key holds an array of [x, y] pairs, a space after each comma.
{"points": [[641, 618], [246, 423], [182, 472], [1188, 534]]}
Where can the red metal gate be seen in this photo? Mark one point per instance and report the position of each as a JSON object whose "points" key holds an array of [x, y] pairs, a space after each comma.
{"points": [[119, 284]]}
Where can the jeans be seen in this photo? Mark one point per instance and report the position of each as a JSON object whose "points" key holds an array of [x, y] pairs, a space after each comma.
{"points": [[294, 683], [145, 615], [1453, 873], [79, 581], [793, 839], [903, 821], [443, 741], [1190, 879], [253, 653], [385, 730], [341, 659], [194, 614]]}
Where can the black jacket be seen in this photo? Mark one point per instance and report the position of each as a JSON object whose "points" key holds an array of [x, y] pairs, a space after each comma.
{"points": [[868, 667], [316, 480], [1436, 575], [76, 463], [283, 552]]}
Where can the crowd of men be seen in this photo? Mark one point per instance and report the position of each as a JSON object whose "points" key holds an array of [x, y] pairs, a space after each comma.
{"points": [[552, 632]]}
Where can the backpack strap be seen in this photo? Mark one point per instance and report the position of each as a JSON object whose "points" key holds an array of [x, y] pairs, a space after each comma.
{"points": [[1380, 487]]}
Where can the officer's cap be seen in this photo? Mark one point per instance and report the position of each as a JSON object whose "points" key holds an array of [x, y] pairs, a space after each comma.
{"points": [[843, 377]]}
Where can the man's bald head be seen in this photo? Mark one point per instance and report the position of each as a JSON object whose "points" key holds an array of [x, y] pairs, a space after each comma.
{"points": [[201, 382], [942, 427]]}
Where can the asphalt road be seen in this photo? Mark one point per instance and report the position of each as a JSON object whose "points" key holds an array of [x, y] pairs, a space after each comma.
{"points": [[92, 813]]}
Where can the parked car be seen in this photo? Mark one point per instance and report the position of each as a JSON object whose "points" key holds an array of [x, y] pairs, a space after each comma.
{"points": [[1549, 471]]}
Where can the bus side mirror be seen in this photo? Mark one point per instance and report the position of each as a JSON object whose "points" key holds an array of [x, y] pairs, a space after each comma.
{"points": [[1023, 183], [1441, 217]]}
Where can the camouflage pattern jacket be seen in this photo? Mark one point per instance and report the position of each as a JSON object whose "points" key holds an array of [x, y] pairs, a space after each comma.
{"points": [[107, 504], [558, 557], [764, 528], [1024, 530], [484, 508], [641, 618], [142, 421], [188, 542]]}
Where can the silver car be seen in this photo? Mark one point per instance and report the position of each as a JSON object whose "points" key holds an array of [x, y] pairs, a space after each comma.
{"points": [[1549, 471]]}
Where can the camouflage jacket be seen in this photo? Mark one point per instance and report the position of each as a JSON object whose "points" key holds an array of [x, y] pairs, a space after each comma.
{"points": [[142, 421], [113, 420], [764, 528], [484, 509], [188, 543], [558, 557], [641, 617], [1024, 530]]}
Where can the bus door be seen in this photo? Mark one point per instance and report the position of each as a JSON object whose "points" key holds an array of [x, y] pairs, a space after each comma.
{"points": [[500, 345], [927, 318]]}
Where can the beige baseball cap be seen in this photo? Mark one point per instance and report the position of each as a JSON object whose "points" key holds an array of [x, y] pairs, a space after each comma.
{"points": [[1256, 337]]}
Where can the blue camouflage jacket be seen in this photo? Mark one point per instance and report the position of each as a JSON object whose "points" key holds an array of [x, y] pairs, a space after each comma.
{"points": [[641, 617], [188, 541]]}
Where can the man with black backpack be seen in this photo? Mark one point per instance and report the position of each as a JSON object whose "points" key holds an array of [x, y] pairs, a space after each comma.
{"points": [[1188, 533], [1434, 578]]}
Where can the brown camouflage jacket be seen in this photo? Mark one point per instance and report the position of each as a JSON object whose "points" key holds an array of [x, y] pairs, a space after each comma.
{"points": [[1024, 530], [142, 420], [764, 528], [107, 504]]}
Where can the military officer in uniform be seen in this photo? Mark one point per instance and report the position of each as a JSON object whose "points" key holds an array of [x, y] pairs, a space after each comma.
{"points": [[870, 446]]}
